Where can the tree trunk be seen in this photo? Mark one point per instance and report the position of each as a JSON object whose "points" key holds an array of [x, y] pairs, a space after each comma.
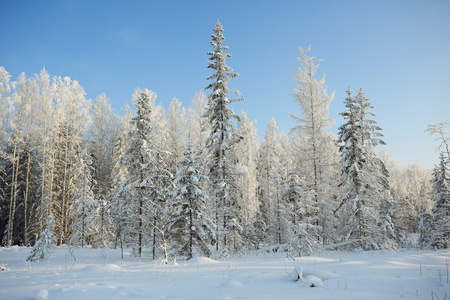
{"points": [[63, 207], [191, 233], [154, 238], [13, 199], [25, 227], [140, 229]]}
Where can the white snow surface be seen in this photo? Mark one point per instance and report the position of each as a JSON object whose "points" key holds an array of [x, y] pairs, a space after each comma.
{"points": [[101, 274]]}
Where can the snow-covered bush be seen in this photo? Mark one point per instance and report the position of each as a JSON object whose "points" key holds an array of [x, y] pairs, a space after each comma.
{"points": [[42, 248], [306, 240]]}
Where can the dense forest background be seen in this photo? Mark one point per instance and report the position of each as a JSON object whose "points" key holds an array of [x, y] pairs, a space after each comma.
{"points": [[176, 181]]}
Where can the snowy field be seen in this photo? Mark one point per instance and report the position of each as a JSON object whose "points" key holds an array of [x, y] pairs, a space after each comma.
{"points": [[101, 274]]}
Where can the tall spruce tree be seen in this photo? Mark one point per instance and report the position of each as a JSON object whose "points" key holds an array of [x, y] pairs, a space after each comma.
{"points": [[221, 165], [190, 227], [441, 209], [364, 177], [134, 193]]}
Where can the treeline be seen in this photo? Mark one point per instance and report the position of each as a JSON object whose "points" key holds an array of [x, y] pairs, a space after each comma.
{"points": [[177, 181]]}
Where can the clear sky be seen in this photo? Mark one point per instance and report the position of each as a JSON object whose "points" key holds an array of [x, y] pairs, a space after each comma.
{"points": [[397, 51]]}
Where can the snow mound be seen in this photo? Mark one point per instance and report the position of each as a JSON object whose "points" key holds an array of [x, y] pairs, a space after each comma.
{"points": [[40, 294], [323, 275], [311, 277], [202, 261], [102, 269], [3, 267], [312, 281], [230, 284]]}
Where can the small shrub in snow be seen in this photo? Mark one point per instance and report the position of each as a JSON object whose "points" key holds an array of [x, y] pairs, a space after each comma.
{"points": [[43, 246]]}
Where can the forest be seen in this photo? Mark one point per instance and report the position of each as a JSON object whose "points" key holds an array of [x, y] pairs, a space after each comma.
{"points": [[198, 180]]}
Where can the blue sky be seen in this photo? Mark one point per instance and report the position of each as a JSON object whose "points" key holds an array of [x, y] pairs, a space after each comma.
{"points": [[397, 51]]}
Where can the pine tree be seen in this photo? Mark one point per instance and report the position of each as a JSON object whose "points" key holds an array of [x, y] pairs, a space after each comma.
{"points": [[190, 226], [223, 136]]}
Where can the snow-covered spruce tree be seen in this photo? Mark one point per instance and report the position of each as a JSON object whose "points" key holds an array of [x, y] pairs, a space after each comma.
{"points": [[441, 209], [189, 227], [293, 194], [388, 238], [134, 194], [311, 94], [42, 249], [159, 182], [222, 161], [426, 230], [384, 237], [362, 177]]}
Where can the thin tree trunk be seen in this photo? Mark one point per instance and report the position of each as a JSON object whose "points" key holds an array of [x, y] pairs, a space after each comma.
{"points": [[44, 174], [25, 228], [10, 225], [63, 207], [13, 199], [154, 238], [140, 228], [190, 231]]}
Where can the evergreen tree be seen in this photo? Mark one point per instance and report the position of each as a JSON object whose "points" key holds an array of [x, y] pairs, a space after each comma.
{"points": [[42, 249], [190, 226], [426, 230], [222, 173], [134, 194], [363, 175], [441, 209]]}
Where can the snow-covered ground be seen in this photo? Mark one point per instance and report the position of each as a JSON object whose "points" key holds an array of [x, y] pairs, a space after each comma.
{"points": [[101, 274]]}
